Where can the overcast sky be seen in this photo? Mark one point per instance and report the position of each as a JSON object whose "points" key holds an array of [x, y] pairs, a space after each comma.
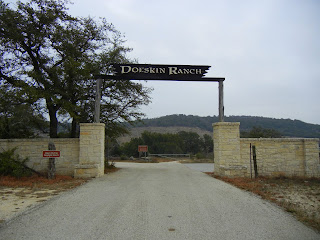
{"points": [[268, 51]]}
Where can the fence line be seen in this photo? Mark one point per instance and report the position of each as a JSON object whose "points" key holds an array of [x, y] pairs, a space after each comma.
{"points": [[170, 155]]}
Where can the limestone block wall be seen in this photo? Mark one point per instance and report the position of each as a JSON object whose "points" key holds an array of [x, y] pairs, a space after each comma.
{"points": [[79, 157], [33, 148], [282, 156]]}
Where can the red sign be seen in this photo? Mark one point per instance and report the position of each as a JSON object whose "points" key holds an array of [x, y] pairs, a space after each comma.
{"points": [[142, 148], [51, 154]]}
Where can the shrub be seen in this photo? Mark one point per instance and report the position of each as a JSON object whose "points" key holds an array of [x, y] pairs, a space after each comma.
{"points": [[109, 165], [13, 165], [200, 156]]}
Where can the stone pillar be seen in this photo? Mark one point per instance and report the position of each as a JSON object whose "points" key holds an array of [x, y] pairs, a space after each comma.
{"points": [[91, 157], [226, 139]]}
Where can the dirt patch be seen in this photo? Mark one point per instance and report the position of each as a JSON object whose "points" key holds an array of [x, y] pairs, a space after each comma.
{"points": [[299, 196], [111, 169], [19, 195], [203, 160]]}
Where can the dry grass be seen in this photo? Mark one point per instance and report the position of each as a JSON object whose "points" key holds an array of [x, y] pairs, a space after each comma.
{"points": [[41, 182], [111, 170], [60, 181], [299, 196]]}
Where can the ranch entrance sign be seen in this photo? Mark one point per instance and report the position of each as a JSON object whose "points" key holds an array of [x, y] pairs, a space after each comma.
{"points": [[157, 73], [162, 72]]}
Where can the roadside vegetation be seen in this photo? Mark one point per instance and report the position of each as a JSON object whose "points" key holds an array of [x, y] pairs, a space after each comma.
{"points": [[12, 165]]}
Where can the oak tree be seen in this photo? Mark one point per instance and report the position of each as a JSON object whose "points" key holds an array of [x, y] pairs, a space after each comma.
{"points": [[52, 58]]}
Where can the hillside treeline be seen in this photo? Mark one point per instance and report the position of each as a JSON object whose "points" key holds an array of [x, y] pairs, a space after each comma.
{"points": [[286, 127], [179, 143]]}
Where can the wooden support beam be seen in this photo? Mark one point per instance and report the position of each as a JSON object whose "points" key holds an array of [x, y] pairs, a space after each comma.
{"points": [[97, 101], [221, 106]]}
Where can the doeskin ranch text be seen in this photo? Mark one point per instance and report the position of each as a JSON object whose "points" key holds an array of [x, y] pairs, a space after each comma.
{"points": [[162, 70]]}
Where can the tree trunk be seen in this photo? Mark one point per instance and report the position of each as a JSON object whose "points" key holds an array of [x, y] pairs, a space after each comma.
{"points": [[74, 128], [53, 119], [52, 163]]}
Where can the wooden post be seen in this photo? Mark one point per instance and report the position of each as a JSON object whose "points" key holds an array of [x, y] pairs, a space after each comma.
{"points": [[97, 101], [221, 107], [250, 163], [255, 161], [52, 162]]}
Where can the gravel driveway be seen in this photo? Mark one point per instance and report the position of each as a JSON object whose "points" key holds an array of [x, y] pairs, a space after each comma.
{"points": [[156, 201]]}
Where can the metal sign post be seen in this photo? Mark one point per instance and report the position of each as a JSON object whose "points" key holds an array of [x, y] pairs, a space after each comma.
{"points": [[143, 149]]}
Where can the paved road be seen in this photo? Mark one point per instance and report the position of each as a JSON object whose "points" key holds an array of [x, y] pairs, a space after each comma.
{"points": [[156, 201]]}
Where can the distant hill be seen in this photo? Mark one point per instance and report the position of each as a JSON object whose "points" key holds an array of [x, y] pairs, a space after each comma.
{"points": [[287, 127]]}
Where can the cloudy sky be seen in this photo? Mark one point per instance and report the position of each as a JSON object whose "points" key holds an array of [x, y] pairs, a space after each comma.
{"points": [[268, 51]]}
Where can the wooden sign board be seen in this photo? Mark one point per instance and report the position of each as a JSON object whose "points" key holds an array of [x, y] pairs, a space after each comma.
{"points": [[142, 148], [159, 72], [51, 154]]}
